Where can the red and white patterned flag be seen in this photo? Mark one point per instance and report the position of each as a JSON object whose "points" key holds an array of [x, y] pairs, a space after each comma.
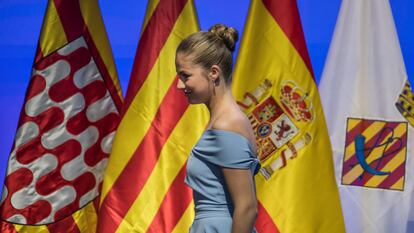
{"points": [[65, 131]]}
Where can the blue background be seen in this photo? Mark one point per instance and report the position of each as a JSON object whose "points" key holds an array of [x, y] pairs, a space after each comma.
{"points": [[20, 23]]}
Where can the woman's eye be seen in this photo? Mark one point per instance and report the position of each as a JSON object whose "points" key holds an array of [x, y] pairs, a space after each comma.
{"points": [[184, 77]]}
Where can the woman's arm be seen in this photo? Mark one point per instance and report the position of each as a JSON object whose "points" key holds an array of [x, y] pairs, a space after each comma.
{"points": [[241, 188]]}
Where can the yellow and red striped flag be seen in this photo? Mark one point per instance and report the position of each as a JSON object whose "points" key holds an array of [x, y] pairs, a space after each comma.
{"points": [[273, 83], [144, 188], [66, 126]]}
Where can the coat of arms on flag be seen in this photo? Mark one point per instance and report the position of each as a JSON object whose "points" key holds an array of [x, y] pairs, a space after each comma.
{"points": [[296, 189], [405, 103], [276, 125], [375, 154]]}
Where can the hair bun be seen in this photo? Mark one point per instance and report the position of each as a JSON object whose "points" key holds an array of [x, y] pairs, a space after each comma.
{"points": [[229, 35]]}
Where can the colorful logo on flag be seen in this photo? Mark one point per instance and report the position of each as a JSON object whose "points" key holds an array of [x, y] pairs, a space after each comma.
{"points": [[63, 140], [275, 124], [375, 154]]}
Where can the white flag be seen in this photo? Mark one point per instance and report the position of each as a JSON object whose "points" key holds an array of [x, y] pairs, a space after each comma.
{"points": [[410, 224], [368, 103]]}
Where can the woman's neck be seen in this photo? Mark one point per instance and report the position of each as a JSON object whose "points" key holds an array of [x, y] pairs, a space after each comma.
{"points": [[220, 103]]}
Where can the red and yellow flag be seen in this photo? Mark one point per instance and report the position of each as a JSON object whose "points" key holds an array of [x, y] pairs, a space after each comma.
{"points": [[273, 83], [66, 126], [144, 188]]}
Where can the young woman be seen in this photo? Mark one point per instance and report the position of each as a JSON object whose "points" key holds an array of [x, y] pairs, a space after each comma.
{"points": [[222, 164]]}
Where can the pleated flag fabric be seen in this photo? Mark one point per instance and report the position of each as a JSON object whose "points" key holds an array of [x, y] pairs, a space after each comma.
{"points": [[144, 189], [274, 85], [369, 105], [66, 126]]}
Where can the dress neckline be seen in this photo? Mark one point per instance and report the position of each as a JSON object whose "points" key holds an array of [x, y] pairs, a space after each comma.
{"points": [[249, 143]]}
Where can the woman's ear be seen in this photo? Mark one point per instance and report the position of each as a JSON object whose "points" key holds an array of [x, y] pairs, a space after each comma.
{"points": [[215, 72]]}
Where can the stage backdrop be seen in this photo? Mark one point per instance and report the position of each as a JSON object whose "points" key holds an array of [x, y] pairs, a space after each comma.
{"points": [[20, 22]]}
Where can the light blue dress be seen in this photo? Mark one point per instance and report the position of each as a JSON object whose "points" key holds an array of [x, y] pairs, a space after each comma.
{"points": [[215, 149]]}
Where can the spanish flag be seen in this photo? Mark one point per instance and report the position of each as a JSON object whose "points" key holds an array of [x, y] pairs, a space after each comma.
{"points": [[66, 126], [144, 189], [274, 85]]}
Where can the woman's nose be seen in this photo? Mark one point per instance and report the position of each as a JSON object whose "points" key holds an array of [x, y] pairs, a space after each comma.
{"points": [[180, 84]]}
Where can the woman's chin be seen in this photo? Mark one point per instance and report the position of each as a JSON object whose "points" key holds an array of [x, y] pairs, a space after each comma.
{"points": [[193, 101]]}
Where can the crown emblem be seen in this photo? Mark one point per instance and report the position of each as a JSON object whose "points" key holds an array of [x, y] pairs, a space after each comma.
{"points": [[296, 101], [405, 103]]}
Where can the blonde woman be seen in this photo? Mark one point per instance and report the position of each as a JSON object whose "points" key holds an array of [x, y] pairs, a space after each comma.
{"points": [[222, 164]]}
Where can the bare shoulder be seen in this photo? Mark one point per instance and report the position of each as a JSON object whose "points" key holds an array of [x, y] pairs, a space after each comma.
{"points": [[236, 122]]}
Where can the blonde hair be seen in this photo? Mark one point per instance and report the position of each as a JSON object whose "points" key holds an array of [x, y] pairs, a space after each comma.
{"points": [[212, 47]]}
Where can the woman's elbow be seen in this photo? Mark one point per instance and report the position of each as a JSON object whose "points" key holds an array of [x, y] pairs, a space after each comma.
{"points": [[254, 210], [248, 209]]}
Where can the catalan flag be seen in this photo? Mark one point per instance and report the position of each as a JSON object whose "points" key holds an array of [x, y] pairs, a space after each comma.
{"points": [[273, 83], [144, 189], [369, 107], [66, 126]]}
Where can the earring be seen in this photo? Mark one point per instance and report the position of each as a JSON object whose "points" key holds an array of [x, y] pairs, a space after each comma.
{"points": [[214, 86]]}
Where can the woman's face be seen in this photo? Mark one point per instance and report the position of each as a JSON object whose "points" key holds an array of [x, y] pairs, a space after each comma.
{"points": [[193, 79]]}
